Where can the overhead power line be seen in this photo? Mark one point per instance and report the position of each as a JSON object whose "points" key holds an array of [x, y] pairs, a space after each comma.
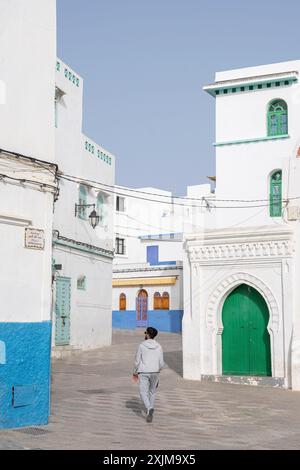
{"points": [[184, 198], [100, 185]]}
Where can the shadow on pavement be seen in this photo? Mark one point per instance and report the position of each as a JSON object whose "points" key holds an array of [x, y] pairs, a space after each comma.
{"points": [[135, 405], [173, 359]]}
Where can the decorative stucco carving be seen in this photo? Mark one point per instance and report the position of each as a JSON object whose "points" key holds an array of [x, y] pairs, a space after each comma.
{"points": [[255, 249], [219, 293]]}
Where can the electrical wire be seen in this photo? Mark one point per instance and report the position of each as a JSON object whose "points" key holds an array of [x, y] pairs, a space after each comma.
{"points": [[91, 183], [32, 159], [112, 191], [25, 180], [184, 198]]}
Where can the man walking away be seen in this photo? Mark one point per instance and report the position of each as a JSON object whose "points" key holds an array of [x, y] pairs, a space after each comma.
{"points": [[148, 364]]}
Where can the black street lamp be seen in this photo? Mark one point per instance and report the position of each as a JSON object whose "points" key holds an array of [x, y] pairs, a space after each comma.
{"points": [[93, 217]]}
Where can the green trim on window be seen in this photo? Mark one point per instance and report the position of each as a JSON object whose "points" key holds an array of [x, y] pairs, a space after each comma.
{"points": [[71, 77], [254, 86], [250, 141], [55, 114], [100, 154], [82, 199], [277, 118], [276, 194], [100, 208]]}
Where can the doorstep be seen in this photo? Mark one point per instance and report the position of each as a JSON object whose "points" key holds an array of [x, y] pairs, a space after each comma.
{"points": [[61, 352], [278, 382]]}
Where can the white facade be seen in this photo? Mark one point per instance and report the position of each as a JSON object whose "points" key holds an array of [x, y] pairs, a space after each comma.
{"points": [[28, 52], [249, 245], [27, 128], [243, 169], [84, 254], [149, 224], [145, 213], [28, 188], [26, 206]]}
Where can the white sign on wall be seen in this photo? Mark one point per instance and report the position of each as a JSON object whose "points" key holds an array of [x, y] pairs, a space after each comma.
{"points": [[34, 239]]}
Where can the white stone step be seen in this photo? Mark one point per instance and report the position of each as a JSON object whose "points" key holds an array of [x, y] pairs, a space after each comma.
{"points": [[61, 352], [246, 380]]}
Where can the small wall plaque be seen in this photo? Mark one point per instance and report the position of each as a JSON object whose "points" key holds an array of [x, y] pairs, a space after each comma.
{"points": [[34, 239]]}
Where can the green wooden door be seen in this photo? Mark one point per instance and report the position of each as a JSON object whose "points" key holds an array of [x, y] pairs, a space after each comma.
{"points": [[245, 338], [62, 311]]}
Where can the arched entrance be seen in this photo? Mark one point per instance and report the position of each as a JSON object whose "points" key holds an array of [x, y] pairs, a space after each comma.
{"points": [[142, 309], [245, 338]]}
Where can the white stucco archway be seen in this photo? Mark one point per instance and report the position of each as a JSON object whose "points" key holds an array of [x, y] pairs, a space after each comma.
{"points": [[214, 316], [227, 285]]}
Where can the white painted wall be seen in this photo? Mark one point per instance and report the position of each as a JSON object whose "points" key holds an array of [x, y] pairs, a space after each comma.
{"points": [[90, 325], [90, 321], [75, 160], [243, 245], [27, 58], [243, 170], [211, 277], [147, 214]]}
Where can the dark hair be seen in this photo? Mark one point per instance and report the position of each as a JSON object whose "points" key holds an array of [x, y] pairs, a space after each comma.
{"points": [[152, 332]]}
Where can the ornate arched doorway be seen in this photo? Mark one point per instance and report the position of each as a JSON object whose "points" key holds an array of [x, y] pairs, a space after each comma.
{"points": [[142, 309], [245, 337]]}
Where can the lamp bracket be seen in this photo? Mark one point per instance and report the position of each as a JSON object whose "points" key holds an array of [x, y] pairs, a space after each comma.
{"points": [[83, 205]]}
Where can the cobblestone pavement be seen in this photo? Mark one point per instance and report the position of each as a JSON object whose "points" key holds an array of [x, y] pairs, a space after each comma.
{"points": [[95, 405]]}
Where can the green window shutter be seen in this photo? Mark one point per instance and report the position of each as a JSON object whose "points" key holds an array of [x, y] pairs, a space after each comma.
{"points": [[55, 113], [100, 208], [277, 118], [276, 194], [82, 200]]}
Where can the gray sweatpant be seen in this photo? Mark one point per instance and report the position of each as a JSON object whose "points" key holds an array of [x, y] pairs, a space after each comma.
{"points": [[148, 384]]}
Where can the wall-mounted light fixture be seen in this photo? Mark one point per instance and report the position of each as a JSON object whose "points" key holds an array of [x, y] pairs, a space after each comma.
{"points": [[93, 217]]}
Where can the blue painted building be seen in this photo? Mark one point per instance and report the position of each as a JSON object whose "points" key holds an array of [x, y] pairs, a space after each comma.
{"points": [[147, 267], [148, 294], [25, 374]]}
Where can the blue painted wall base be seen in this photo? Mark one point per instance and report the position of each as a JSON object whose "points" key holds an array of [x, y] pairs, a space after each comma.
{"points": [[163, 320], [24, 374]]}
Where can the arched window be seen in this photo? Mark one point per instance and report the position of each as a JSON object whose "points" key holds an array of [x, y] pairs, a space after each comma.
{"points": [[100, 207], [122, 302], [276, 194], [165, 303], [157, 301], [82, 200], [277, 118]]}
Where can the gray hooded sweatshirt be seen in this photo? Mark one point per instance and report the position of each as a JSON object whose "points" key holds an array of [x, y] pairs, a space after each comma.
{"points": [[149, 357]]}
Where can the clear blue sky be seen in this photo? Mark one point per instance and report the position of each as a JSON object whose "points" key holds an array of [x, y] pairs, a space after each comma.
{"points": [[144, 63]]}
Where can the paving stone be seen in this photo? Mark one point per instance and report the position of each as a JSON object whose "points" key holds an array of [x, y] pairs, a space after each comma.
{"points": [[95, 405]]}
